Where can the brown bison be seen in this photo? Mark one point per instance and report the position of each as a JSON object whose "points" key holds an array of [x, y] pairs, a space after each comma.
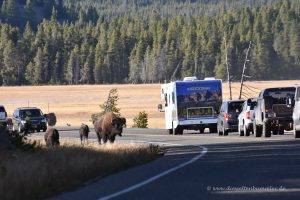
{"points": [[51, 119], [108, 126], [51, 137], [84, 133]]}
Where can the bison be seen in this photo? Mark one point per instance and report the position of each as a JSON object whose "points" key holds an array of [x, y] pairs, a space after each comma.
{"points": [[51, 137], [84, 133], [108, 126]]}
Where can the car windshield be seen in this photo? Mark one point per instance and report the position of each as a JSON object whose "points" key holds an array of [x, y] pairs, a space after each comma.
{"points": [[235, 106], [252, 105], [30, 113], [2, 109], [279, 95]]}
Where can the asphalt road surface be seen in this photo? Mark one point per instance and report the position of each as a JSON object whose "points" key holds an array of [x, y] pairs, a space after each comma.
{"points": [[202, 166]]}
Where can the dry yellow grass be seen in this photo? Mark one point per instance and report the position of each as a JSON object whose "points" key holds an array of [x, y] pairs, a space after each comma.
{"points": [[75, 104], [45, 172]]}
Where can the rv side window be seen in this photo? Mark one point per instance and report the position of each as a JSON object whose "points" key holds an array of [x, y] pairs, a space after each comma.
{"points": [[298, 94], [166, 100], [173, 98]]}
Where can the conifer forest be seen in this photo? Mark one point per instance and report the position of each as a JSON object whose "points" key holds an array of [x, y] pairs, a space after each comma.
{"points": [[147, 41]]}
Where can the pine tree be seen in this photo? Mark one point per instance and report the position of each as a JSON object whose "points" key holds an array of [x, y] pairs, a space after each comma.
{"points": [[11, 70], [110, 105], [140, 121], [38, 76]]}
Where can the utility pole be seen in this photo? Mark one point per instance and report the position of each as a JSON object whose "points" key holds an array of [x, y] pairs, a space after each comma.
{"points": [[227, 68], [244, 68]]}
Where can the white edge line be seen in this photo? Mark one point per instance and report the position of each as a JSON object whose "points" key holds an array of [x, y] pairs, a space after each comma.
{"points": [[204, 151]]}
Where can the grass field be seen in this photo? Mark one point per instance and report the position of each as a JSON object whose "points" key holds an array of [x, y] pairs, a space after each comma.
{"points": [[75, 104], [48, 171]]}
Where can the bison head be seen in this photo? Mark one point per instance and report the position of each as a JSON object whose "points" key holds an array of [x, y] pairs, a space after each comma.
{"points": [[117, 125]]}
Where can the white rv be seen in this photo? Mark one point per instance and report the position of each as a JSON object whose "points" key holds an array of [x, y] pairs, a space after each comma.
{"points": [[192, 104]]}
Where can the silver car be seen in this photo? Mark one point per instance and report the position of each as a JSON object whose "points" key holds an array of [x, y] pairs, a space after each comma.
{"points": [[296, 113], [245, 118]]}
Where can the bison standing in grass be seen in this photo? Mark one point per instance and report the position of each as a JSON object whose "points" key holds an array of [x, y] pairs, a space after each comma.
{"points": [[84, 133], [51, 137], [108, 126]]}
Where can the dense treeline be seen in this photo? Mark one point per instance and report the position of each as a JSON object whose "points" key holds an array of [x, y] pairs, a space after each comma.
{"points": [[85, 42]]}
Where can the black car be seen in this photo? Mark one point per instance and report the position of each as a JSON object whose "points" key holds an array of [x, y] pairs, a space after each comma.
{"points": [[272, 114], [228, 117], [3, 116], [28, 119]]}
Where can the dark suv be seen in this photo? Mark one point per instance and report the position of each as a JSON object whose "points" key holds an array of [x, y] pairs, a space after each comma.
{"points": [[28, 119], [272, 113], [228, 117], [3, 116]]}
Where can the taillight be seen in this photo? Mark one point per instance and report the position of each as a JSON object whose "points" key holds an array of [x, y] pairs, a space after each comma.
{"points": [[226, 116], [266, 110], [248, 115]]}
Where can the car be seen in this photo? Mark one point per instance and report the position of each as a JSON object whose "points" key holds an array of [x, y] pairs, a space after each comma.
{"points": [[27, 119], [271, 114], [294, 102], [245, 118], [228, 117], [3, 116]]}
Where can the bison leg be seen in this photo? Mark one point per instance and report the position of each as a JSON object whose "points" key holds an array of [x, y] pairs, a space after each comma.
{"points": [[81, 139], [112, 139], [104, 138], [99, 137]]}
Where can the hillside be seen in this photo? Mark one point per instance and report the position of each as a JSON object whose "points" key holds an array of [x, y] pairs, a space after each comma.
{"points": [[145, 41]]}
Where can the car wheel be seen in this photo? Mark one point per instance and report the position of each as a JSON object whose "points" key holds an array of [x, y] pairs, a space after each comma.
{"points": [[169, 130], [225, 132], [19, 129], [246, 131], [275, 132], [281, 131], [266, 130], [178, 131], [296, 132], [219, 131], [256, 130], [213, 129], [241, 132], [201, 130], [44, 129]]}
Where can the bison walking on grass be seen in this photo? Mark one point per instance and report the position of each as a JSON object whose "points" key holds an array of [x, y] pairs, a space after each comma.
{"points": [[108, 126], [84, 133]]}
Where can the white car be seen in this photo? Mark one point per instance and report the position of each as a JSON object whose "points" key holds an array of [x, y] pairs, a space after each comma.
{"points": [[3, 116], [245, 118]]}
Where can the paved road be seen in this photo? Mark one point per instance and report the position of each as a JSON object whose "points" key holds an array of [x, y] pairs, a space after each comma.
{"points": [[204, 166]]}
